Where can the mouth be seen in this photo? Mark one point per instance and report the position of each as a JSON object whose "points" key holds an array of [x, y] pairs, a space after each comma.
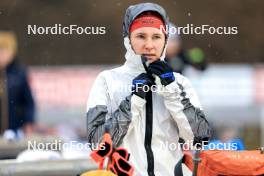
{"points": [[150, 56]]}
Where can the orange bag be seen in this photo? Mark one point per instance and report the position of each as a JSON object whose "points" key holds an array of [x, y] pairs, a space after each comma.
{"points": [[227, 163]]}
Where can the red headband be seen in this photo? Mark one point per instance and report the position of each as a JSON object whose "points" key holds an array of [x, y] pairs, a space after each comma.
{"points": [[147, 20]]}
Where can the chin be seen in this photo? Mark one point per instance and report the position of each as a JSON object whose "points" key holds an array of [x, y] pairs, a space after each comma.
{"points": [[152, 59]]}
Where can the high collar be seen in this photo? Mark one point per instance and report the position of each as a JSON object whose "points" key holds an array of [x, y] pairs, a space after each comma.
{"points": [[133, 60]]}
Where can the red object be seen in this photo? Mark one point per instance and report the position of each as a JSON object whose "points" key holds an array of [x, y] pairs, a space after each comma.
{"points": [[119, 157], [122, 152], [103, 151], [120, 165], [226, 162], [147, 20]]}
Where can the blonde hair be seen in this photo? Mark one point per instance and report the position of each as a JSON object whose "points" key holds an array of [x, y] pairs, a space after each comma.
{"points": [[8, 40]]}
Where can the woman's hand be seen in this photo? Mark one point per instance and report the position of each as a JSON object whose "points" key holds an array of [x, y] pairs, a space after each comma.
{"points": [[163, 71], [142, 83]]}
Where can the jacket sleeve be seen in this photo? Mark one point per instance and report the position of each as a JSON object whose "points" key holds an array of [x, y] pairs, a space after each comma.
{"points": [[182, 102], [100, 115]]}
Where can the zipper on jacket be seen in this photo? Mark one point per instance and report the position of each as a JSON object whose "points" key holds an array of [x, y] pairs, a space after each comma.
{"points": [[148, 133]]}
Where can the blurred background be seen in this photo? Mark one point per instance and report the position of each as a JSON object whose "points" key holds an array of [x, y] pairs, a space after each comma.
{"points": [[227, 71]]}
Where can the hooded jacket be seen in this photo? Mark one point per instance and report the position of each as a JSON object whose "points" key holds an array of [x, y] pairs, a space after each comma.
{"points": [[148, 130]]}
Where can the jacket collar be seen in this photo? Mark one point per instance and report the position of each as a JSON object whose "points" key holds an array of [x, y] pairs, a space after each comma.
{"points": [[133, 60]]}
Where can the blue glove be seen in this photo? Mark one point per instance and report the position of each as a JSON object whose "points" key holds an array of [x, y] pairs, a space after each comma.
{"points": [[163, 71], [140, 82]]}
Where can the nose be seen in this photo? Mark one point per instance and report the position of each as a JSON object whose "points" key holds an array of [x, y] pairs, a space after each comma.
{"points": [[149, 44]]}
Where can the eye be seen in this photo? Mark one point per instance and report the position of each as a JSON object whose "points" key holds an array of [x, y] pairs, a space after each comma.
{"points": [[156, 37], [141, 36]]}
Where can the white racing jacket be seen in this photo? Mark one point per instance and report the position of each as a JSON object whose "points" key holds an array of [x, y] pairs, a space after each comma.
{"points": [[151, 138]]}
